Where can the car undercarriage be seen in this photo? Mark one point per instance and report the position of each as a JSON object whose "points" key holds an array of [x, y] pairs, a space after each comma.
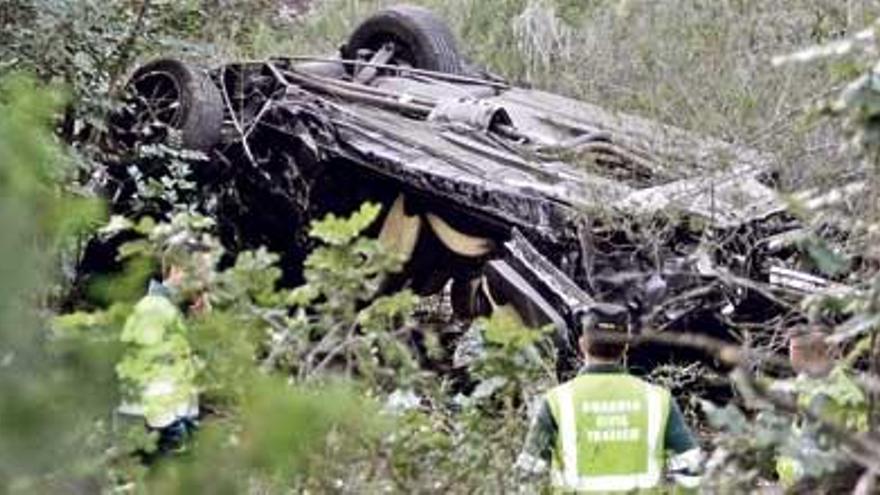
{"points": [[510, 199]]}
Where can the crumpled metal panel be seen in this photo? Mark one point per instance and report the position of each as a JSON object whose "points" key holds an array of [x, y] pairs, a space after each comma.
{"points": [[421, 157], [722, 200], [478, 114]]}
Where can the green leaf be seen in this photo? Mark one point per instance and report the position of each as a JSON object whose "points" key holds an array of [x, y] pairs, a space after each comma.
{"points": [[145, 226], [505, 330], [303, 296], [386, 312], [117, 224], [134, 248], [827, 261], [285, 426], [340, 231]]}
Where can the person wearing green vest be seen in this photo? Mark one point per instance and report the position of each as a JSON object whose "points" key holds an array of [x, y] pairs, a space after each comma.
{"points": [[158, 368], [826, 390], [606, 430]]}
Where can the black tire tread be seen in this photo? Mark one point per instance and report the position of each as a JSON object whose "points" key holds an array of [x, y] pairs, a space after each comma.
{"points": [[435, 40], [202, 102]]}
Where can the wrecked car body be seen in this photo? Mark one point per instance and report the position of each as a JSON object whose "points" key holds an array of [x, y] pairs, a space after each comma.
{"points": [[511, 199]]}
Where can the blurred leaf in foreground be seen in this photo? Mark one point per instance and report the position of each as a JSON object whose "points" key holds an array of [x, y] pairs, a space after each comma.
{"points": [[51, 386]]}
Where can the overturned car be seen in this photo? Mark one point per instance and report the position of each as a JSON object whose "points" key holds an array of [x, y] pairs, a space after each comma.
{"points": [[511, 199]]}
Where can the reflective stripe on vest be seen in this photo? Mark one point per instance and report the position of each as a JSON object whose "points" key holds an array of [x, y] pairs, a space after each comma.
{"points": [[611, 433]]}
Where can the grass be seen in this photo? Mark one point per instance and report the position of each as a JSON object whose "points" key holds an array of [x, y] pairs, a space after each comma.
{"points": [[699, 64]]}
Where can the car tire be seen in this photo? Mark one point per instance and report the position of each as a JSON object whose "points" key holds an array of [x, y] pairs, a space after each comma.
{"points": [[168, 93], [422, 39]]}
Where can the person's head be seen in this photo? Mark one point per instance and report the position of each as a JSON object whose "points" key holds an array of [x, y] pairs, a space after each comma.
{"points": [[604, 334], [809, 351], [187, 272], [173, 275]]}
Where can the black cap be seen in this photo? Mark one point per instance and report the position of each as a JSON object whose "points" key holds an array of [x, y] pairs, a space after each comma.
{"points": [[607, 316]]}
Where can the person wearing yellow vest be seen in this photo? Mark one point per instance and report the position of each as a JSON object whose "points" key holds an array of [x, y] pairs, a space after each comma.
{"points": [[158, 368], [826, 390], [606, 430]]}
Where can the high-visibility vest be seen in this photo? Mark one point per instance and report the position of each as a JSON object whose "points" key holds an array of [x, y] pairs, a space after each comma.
{"points": [[158, 363], [611, 431]]}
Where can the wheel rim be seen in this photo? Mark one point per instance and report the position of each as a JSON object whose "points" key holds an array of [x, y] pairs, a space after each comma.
{"points": [[154, 105], [403, 53]]}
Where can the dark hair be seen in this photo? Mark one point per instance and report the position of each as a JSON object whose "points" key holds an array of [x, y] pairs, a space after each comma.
{"points": [[605, 327], [601, 344]]}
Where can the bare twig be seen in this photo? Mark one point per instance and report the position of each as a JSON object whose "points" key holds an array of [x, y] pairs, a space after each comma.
{"points": [[278, 348], [238, 125], [858, 447], [350, 340], [726, 352], [125, 47]]}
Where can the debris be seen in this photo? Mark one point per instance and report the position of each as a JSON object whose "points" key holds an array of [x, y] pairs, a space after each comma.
{"points": [[518, 197]]}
